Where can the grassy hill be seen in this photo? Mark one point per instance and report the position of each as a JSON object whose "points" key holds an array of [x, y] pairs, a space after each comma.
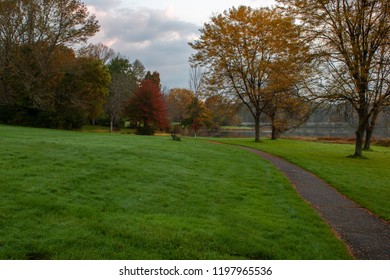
{"points": [[74, 195]]}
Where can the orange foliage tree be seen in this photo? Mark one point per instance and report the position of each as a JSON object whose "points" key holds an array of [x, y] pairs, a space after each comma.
{"points": [[178, 101], [198, 115], [244, 47]]}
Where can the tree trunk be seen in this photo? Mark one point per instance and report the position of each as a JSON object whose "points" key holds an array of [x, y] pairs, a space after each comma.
{"points": [[272, 116], [257, 128], [111, 124], [359, 142], [274, 132], [363, 116], [367, 143], [360, 133], [4, 98], [370, 128]]}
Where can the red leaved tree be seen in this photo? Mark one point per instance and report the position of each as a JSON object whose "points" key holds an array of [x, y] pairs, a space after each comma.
{"points": [[147, 108]]}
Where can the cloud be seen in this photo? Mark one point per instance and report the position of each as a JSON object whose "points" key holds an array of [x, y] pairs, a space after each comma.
{"points": [[151, 31], [103, 4], [153, 36]]}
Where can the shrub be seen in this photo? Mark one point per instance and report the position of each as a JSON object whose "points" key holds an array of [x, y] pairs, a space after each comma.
{"points": [[176, 137], [18, 115]]}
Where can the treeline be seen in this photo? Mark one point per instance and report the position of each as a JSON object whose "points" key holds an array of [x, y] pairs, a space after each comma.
{"points": [[42, 80], [58, 93], [46, 81]]}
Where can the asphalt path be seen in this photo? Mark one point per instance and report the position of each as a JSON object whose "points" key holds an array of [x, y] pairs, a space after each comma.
{"points": [[366, 236]]}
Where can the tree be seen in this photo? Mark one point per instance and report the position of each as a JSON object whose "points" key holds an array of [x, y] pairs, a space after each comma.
{"points": [[196, 81], [351, 39], [36, 30], [198, 115], [120, 91], [35, 81], [84, 88], [178, 102], [56, 22], [286, 111], [243, 47], [120, 65], [285, 107], [138, 70], [222, 111], [154, 77], [98, 51], [147, 108], [381, 90], [122, 85]]}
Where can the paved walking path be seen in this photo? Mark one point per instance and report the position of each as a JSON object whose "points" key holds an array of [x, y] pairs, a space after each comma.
{"points": [[366, 236]]}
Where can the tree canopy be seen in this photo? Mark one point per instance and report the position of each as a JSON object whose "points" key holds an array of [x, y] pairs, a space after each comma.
{"points": [[243, 48], [85, 87], [147, 108], [36, 55], [178, 102]]}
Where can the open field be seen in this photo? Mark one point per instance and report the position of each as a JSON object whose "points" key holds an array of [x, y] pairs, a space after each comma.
{"points": [[74, 195], [365, 181]]}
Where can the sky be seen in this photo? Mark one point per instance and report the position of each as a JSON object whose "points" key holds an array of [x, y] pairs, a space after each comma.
{"points": [[157, 32]]}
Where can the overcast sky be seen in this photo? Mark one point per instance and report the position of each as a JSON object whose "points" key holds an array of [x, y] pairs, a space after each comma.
{"points": [[157, 32]]}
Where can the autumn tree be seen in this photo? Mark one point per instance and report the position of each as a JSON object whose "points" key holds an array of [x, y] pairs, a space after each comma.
{"points": [[178, 102], [34, 34], [285, 107], [222, 110], [41, 26], [242, 46], [286, 111], [34, 80], [147, 108], [198, 115], [351, 39]]}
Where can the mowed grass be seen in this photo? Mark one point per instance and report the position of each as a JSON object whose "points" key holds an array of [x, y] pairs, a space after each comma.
{"points": [[74, 195], [366, 181]]}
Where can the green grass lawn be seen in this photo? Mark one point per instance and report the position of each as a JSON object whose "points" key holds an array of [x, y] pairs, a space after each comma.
{"points": [[366, 181], [75, 195]]}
